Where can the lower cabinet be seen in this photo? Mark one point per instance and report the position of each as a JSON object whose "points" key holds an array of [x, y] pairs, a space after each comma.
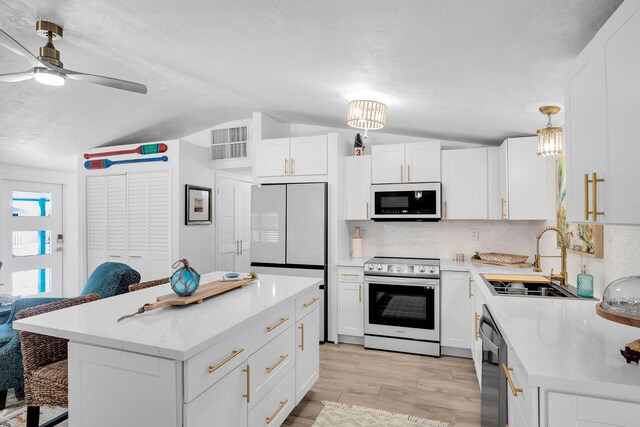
{"points": [[569, 410], [307, 353], [223, 404], [455, 306], [275, 407], [351, 301]]}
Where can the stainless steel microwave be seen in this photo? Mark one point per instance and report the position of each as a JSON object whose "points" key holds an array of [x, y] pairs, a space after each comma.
{"points": [[406, 202]]}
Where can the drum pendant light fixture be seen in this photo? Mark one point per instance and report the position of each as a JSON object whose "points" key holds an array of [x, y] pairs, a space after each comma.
{"points": [[550, 139], [366, 114]]}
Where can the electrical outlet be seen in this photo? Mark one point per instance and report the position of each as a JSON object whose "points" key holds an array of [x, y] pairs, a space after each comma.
{"points": [[475, 234]]}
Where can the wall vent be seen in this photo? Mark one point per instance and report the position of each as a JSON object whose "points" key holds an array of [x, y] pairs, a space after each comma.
{"points": [[229, 143]]}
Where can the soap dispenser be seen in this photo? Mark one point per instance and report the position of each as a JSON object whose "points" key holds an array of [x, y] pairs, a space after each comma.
{"points": [[585, 283]]}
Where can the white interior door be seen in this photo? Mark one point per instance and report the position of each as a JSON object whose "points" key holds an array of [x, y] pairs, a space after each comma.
{"points": [[31, 238], [228, 246]]}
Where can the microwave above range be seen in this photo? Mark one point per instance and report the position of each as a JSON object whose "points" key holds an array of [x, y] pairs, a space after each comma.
{"points": [[406, 202]]}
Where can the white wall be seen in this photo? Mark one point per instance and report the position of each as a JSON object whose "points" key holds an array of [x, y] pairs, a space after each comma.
{"points": [[69, 180], [196, 242]]}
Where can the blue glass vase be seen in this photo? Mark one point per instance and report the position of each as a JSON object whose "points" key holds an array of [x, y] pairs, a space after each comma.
{"points": [[185, 280]]}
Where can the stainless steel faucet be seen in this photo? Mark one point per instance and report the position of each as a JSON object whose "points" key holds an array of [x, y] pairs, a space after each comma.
{"points": [[563, 277]]}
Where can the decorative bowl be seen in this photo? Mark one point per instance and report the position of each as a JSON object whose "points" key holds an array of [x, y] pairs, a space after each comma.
{"points": [[231, 275], [504, 258]]}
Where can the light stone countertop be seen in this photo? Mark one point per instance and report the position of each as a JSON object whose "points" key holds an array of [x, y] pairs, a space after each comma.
{"points": [[562, 343], [353, 262], [176, 333]]}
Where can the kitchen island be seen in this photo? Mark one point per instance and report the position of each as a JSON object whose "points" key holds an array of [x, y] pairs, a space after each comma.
{"points": [[246, 357]]}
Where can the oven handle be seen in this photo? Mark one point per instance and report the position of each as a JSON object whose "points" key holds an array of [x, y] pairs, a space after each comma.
{"points": [[485, 339], [404, 281]]}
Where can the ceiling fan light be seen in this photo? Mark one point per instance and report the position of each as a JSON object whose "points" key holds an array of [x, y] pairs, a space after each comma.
{"points": [[49, 77]]}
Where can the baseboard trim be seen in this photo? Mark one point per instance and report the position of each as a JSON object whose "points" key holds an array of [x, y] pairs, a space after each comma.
{"points": [[455, 351]]}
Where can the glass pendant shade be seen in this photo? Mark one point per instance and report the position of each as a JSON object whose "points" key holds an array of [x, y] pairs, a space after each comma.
{"points": [[366, 114], [550, 139]]}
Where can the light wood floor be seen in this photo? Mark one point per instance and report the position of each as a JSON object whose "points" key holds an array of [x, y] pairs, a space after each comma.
{"points": [[444, 388]]}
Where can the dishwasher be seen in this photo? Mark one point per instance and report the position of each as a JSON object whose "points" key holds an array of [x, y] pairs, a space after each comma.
{"points": [[493, 407]]}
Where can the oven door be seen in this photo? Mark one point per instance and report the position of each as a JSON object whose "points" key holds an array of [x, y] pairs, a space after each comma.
{"points": [[402, 307], [411, 202]]}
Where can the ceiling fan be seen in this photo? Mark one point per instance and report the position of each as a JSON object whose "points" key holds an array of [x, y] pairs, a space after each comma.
{"points": [[47, 68]]}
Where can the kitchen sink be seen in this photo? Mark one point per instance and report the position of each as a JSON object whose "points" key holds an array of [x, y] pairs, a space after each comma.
{"points": [[525, 285]]}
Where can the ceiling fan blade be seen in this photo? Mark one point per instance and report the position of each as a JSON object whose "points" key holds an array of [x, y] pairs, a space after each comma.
{"points": [[104, 81], [16, 77], [12, 44]]}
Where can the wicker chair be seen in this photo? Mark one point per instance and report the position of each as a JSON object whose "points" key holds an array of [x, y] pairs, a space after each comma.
{"points": [[145, 285], [45, 364]]}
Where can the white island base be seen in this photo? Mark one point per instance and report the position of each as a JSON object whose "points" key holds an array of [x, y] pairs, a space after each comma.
{"points": [[245, 358]]}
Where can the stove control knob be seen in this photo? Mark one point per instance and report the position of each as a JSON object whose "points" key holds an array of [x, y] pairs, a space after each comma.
{"points": [[432, 269], [370, 267], [379, 267], [422, 269]]}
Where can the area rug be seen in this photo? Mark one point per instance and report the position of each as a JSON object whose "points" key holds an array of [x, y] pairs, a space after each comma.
{"points": [[15, 413], [336, 414]]}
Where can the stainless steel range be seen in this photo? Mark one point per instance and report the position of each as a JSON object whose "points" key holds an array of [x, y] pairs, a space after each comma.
{"points": [[402, 305]]}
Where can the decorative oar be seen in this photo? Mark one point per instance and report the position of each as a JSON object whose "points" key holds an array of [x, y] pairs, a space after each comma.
{"points": [[142, 149], [105, 163]]}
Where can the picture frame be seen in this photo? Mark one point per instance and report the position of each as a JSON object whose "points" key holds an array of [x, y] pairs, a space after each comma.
{"points": [[198, 205]]}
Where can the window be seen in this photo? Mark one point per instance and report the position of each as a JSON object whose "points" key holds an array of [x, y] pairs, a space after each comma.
{"points": [[30, 203], [31, 282], [30, 243]]}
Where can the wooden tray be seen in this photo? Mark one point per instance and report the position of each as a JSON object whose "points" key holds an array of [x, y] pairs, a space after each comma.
{"points": [[203, 292], [618, 318], [521, 265], [514, 278]]}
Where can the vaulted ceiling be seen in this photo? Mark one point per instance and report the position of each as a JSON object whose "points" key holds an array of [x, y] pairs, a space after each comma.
{"points": [[464, 70]]}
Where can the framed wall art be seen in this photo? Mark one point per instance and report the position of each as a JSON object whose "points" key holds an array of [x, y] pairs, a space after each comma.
{"points": [[198, 205]]}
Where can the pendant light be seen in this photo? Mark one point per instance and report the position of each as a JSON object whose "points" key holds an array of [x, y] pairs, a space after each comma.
{"points": [[550, 139], [366, 114]]}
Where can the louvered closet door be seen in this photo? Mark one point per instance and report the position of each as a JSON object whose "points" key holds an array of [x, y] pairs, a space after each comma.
{"points": [[228, 246], [243, 225], [159, 214], [117, 218], [96, 222], [138, 224]]}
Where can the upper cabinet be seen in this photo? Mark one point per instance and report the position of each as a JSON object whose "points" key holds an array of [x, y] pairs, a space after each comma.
{"points": [[402, 163], [601, 117], [357, 187], [465, 183], [297, 156], [523, 180]]}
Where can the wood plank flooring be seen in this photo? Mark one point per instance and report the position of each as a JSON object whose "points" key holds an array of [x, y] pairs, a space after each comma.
{"points": [[444, 388]]}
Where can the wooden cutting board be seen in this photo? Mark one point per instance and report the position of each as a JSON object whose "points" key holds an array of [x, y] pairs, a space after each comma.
{"points": [[203, 292], [520, 265], [513, 278]]}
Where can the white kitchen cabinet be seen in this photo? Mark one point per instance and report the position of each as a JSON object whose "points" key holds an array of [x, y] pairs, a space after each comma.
{"points": [[296, 156], [493, 183], [351, 301], [455, 306], [423, 162], [307, 353], [233, 225], [357, 184], [523, 180], [568, 410], [401, 163], [222, 404], [602, 112], [465, 183]]}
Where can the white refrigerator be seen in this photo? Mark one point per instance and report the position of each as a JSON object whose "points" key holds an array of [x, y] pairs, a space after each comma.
{"points": [[289, 233]]}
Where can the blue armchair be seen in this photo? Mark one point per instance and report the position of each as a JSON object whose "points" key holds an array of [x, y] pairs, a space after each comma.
{"points": [[107, 280]]}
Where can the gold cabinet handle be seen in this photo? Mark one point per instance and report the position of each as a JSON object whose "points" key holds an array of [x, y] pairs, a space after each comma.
{"points": [[502, 203], [301, 327], [286, 166], [247, 370], [293, 166], [401, 177], [359, 293], [350, 274], [275, 414], [214, 368], [311, 302], [445, 209], [513, 388], [408, 173], [282, 320], [275, 365], [470, 292], [477, 320], [594, 195]]}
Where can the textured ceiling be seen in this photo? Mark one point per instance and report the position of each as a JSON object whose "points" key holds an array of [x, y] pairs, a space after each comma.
{"points": [[465, 70]]}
